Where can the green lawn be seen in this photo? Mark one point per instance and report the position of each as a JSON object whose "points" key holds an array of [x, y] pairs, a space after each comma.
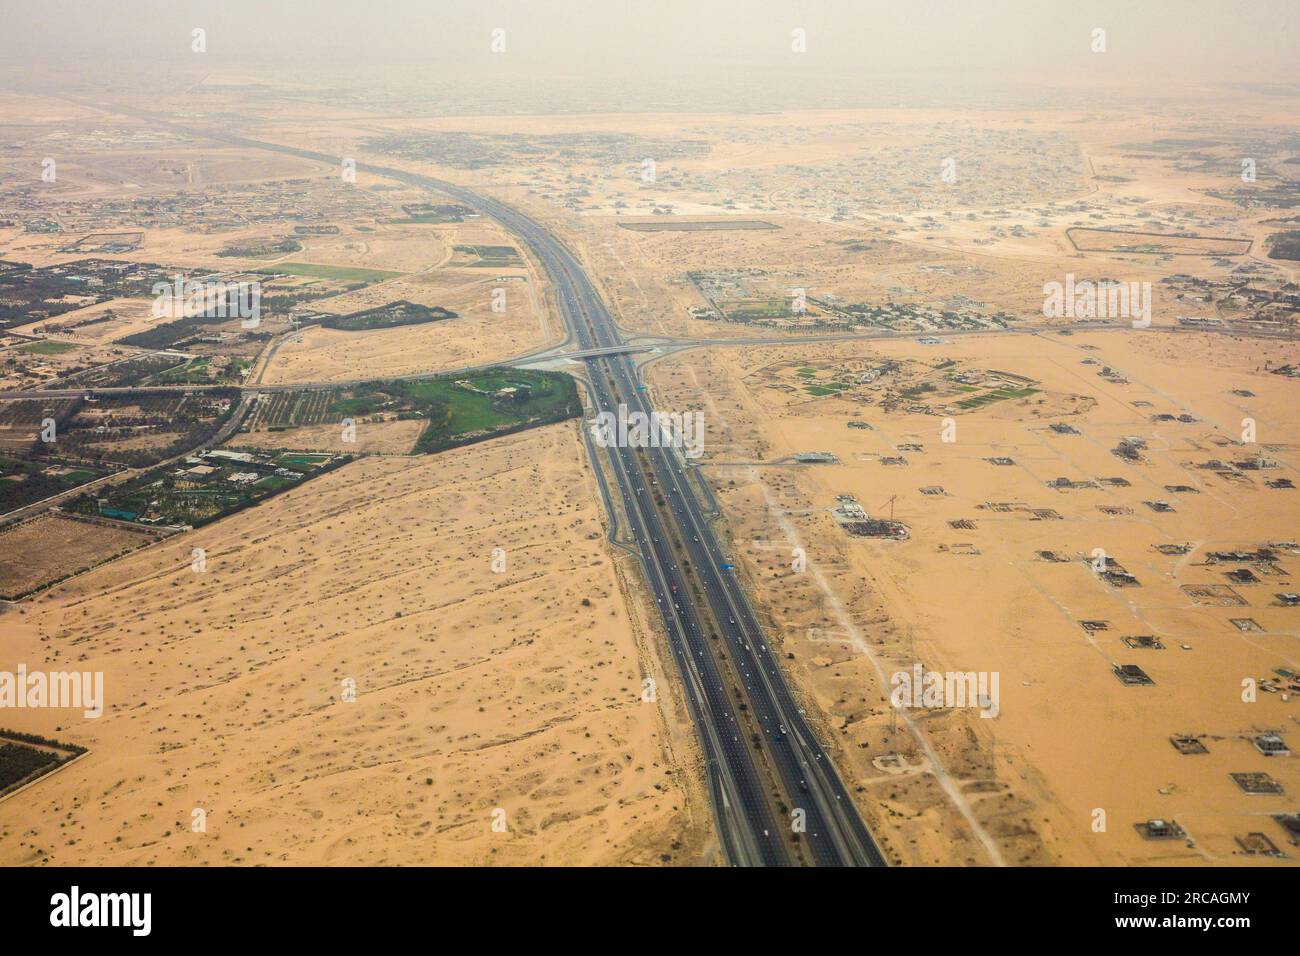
{"points": [[469, 411], [456, 410], [49, 348], [352, 407], [758, 308], [290, 460]]}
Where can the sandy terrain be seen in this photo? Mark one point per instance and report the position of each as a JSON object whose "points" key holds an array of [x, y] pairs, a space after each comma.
{"points": [[129, 317], [49, 546], [478, 335], [1070, 738], [332, 355], [383, 438], [474, 691]]}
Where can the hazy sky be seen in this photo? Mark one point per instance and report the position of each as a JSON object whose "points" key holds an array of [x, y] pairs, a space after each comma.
{"points": [[686, 44], [1222, 36]]}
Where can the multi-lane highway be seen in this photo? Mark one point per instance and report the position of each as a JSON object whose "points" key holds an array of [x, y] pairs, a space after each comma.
{"points": [[732, 678], [777, 798]]}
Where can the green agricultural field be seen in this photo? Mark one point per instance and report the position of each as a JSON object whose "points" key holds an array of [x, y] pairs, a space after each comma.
{"points": [[425, 218], [19, 764], [49, 348], [341, 273], [997, 395], [25, 757], [489, 256]]}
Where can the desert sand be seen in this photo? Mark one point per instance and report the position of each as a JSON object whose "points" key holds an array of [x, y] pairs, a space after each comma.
{"points": [[475, 691], [1070, 739], [370, 438]]}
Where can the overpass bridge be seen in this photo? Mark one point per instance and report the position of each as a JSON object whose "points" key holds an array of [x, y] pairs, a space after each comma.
{"points": [[582, 354]]}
